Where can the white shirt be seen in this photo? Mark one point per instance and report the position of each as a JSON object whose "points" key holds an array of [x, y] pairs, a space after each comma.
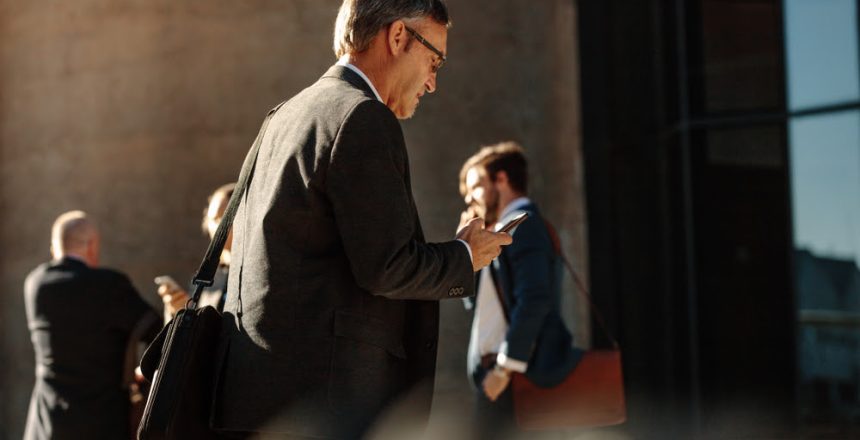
{"points": [[515, 204], [490, 325], [344, 61]]}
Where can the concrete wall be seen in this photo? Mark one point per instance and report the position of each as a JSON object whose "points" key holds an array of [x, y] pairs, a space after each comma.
{"points": [[135, 110]]}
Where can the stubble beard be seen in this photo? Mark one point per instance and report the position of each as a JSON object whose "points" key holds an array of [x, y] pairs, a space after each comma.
{"points": [[491, 211]]}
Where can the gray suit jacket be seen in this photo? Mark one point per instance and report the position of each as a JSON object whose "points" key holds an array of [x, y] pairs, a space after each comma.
{"points": [[331, 313]]}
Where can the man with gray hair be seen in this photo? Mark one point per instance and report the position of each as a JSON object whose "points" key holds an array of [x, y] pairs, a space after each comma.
{"points": [[80, 319], [333, 316]]}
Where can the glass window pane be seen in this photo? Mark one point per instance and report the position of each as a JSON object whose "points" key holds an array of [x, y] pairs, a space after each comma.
{"points": [[825, 173], [821, 52]]}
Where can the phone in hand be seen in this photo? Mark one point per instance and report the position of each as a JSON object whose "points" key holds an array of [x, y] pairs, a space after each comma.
{"points": [[168, 281], [514, 222]]}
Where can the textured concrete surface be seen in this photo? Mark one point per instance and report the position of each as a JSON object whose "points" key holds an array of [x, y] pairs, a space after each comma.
{"points": [[134, 111]]}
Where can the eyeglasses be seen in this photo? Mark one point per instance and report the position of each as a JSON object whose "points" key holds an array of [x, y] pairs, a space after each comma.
{"points": [[439, 61]]}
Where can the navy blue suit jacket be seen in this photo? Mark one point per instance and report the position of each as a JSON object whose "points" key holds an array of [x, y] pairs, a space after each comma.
{"points": [[528, 274]]}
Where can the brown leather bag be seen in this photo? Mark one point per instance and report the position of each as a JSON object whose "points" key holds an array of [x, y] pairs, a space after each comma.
{"points": [[180, 365], [591, 395]]}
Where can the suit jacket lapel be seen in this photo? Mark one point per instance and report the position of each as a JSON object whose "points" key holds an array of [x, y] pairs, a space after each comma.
{"points": [[501, 267], [503, 299]]}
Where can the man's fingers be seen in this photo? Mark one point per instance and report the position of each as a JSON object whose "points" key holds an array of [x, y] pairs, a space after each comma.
{"points": [[470, 228], [165, 289], [499, 238], [504, 238], [489, 393], [492, 394], [478, 222], [485, 244], [465, 218], [180, 299]]}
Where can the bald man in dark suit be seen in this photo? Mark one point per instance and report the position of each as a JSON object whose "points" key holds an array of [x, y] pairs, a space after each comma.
{"points": [[80, 319]]}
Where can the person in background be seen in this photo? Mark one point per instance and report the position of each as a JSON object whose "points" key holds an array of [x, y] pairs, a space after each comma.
{"points": [[173, 296], [517, 326], [81, 318]]}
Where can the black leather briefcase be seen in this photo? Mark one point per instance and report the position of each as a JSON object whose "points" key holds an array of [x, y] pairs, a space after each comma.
{"points": [[180, 364]]}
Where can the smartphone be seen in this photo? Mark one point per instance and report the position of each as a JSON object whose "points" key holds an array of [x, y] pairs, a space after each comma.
{"points": [[514, 222], [167, 280]]}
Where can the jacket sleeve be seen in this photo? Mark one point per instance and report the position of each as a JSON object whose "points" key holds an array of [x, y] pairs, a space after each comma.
{"points": [[368, 186], [529, 261], [127, 307]]}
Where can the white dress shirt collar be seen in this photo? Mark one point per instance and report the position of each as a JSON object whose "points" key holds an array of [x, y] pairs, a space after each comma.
{"points": [[515, 204], [344, 61]]}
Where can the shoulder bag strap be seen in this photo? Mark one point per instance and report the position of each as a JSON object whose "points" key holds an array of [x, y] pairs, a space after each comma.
{"points": [[556, 243], [206, 272]]}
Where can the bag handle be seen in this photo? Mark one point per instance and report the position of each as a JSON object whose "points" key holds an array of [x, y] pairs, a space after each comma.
{"points": [[556, 243], [206, 273]]}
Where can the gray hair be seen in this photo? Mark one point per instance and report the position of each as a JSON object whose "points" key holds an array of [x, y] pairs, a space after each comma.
{"points": [[358, 21], [71, 231]]}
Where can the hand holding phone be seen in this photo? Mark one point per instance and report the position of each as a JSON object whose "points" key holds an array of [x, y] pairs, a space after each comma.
{"points": [[167, 280], [483, 242], [172, 295], [514, 222]]}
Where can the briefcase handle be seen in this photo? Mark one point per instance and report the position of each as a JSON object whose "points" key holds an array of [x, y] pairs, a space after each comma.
{"points": [[206, 273]]}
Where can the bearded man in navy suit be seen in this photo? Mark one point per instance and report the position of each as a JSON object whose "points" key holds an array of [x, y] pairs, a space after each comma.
{"points": [[517, 327]]}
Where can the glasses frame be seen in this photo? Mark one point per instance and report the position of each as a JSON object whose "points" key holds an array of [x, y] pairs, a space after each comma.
{"points": [[442, 58]]}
